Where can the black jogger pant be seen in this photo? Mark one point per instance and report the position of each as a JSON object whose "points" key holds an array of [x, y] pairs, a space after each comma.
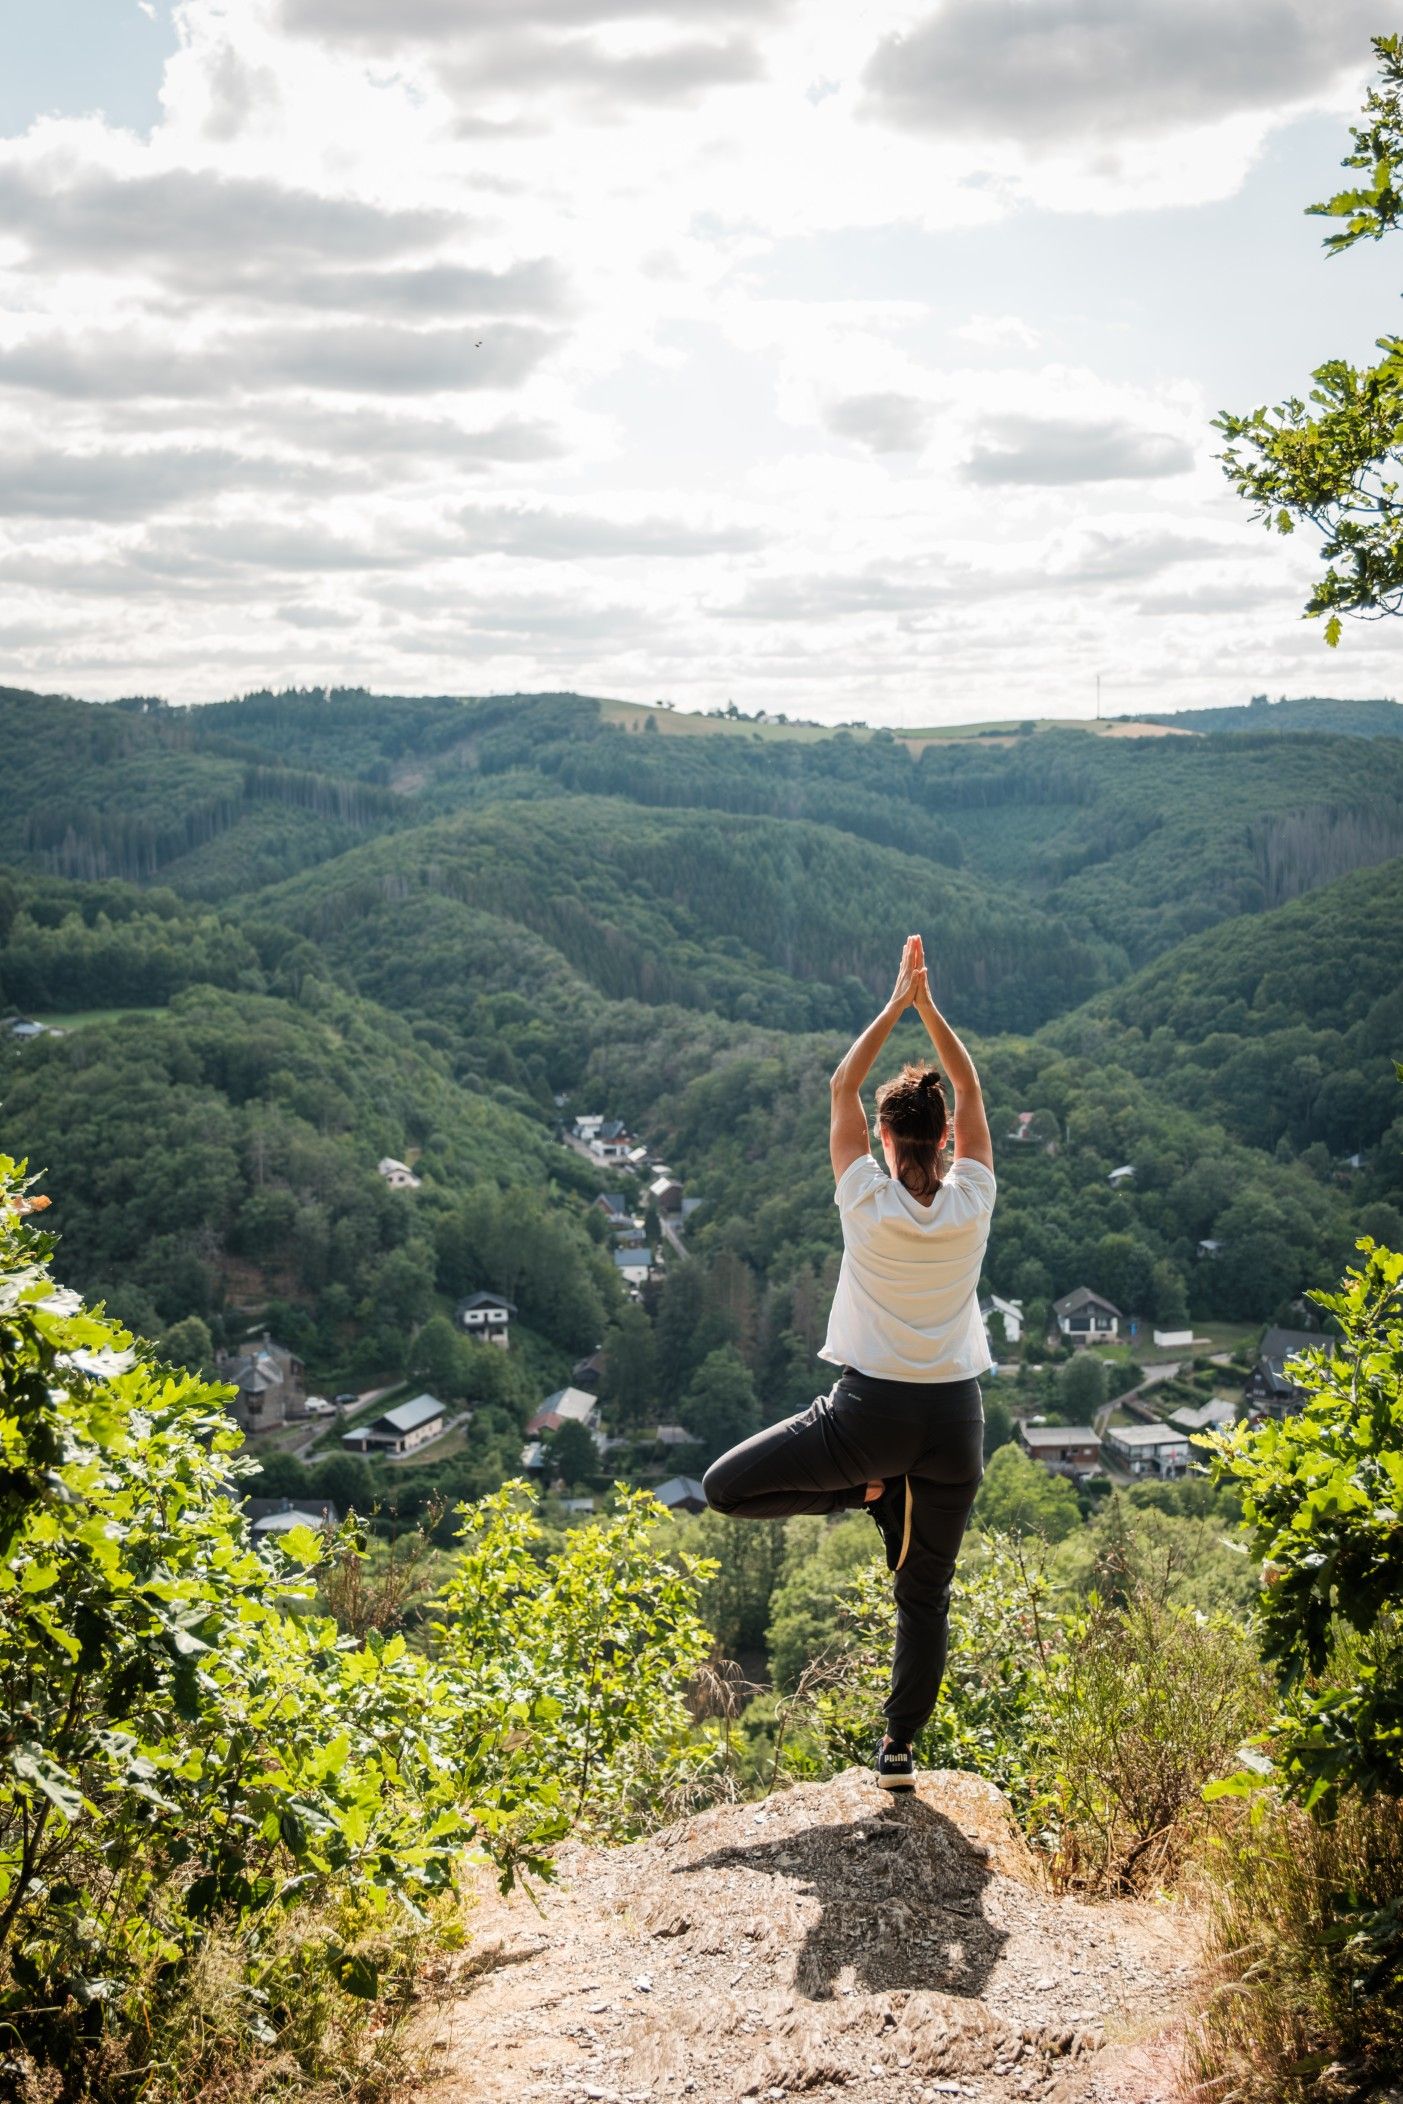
{"points": [[865, 1431]]}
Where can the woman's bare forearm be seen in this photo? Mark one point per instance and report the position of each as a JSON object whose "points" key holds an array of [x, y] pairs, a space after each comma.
{"points": [[861, 1056], [950, 1050]]}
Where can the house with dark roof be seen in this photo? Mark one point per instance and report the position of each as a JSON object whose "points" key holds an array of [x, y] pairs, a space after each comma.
{"points": [[1270, 1387], [268, 1379], [634, 1265], [681, 1494], [1148, 1450], [485, 1317], [1087, 1317], [400, 1431]]}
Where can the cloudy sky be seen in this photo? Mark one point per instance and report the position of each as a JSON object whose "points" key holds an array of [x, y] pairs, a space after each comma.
{"points": [[851, 362]]}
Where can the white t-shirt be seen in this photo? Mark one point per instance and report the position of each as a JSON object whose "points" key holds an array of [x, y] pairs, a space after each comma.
{"points": [[907, 1303]]}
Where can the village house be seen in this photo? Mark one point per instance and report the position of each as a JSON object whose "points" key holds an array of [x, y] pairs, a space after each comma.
{"points": [[587, 1125], [1148, 1450], [272, 1516], [614, 1207], [1168, 1339], [1009, 1312], [672, 1436], [611, 1143], [565, 1406], [1269, 1387], [666, 1193], [269, 1381], [1063, 1450], [634, 1265], [1086, 1317], [1123, 1175], [589, 1371], [485, 1317], [398, 1175], [400, 1431], [681, 1494], [1219, 1410]]}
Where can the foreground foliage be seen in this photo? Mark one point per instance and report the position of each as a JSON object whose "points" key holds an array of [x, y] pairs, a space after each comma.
{"points": [[202, 1779]]}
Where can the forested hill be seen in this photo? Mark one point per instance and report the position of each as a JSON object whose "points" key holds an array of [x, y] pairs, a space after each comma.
{"points": [[1306, 712], [293, 934]]}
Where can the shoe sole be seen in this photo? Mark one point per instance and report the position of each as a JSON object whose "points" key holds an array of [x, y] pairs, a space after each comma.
{"points": [[896, 1782]]}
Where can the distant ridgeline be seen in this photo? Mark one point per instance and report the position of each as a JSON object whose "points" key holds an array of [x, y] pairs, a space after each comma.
{"points": [[291, 935], [1379, 718]]}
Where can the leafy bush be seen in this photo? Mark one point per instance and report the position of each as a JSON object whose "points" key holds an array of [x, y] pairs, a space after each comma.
{"points": [[1147, 1704], [1321, 1494], [203, 1779]]}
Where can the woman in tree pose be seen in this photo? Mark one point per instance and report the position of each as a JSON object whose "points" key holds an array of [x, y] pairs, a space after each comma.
{"points": [[902, 1431]]}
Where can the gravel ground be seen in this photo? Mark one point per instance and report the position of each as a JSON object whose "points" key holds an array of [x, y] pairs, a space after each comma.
{"points": [[832, 1942]]}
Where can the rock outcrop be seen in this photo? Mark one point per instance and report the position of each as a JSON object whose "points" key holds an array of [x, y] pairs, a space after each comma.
{"points": [[829, 1942]]}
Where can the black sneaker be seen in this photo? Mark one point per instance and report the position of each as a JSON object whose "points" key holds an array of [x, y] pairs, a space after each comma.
{"points": [[892, 1513], [895, 1767]]}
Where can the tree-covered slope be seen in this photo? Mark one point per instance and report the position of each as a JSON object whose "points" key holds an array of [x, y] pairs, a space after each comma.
{"points": [[1286, 1025], [1305, 712], [752, 918]]}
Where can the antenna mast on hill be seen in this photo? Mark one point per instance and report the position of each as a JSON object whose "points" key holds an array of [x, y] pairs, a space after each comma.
{"points": [[1098, 697]]}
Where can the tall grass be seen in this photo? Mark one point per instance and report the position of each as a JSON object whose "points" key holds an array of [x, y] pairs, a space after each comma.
{"points": [[1304, 1956]]}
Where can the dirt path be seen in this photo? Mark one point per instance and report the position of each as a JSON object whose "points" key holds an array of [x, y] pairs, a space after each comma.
{"points": [[831, 1942]]}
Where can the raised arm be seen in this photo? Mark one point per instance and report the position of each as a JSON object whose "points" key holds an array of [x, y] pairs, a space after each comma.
{"points": [[972, 1140], [847, 1121]]}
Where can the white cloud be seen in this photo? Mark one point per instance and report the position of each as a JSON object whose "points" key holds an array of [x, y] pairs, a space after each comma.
{"points": [[1051, 451], [1068, 70]]}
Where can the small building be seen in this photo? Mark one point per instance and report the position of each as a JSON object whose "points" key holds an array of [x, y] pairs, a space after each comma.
{"points": [[400, 1431], [1123, 1175], [22, 1029], [666, 1193], [673, 1436], [1086, 1317], [612, 1141], [634, 1265], [1063, 1450], [567, 1405], [1009, 1312], [280, 1515], [1170, 1338], [1219, 1410], [1149, 1450], [1021, 1128], [398, 1175], [269, 1383], [587, 1125], [533, 1457], [1209, 1248], [485, 1317], [589, 1371], [690, 1206], [1269, 1387], [614, 1206], [681, 1494]]}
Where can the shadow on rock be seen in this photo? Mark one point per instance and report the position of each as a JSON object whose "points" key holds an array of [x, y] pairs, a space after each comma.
{"points": [[901, 1892]]}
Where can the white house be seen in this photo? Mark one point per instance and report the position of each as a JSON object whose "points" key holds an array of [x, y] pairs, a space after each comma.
{"points": [[1123, 1175], [1086, 1318], [588, 1124], [1173, 1337], [1148, 1450], [485, 1317], [1010, 1312], [399, 1431], [611, 1142], [398, 1175]]}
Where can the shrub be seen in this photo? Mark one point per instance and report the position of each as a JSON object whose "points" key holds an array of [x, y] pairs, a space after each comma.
{"points": [[1148, 1703], [1321, 1494]]}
